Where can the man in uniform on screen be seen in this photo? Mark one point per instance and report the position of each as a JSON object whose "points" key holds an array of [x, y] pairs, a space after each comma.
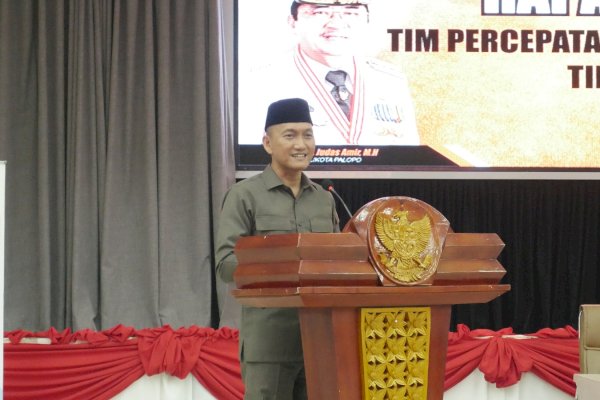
{"points": [[354, 100]]}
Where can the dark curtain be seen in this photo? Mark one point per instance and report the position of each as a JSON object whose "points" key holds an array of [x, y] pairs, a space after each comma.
{"points": [[550, 229], [115, 127]]}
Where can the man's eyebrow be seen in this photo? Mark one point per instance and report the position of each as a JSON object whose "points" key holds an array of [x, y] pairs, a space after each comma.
{"points": [[315, 6], [297, 131]]}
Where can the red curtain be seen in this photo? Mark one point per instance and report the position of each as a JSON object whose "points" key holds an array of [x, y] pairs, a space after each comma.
{"points": [[112, 360], [502, 356], [99, 365]]}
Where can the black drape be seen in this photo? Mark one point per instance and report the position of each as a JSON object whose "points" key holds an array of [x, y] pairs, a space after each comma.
{"points": [[551, 232]]}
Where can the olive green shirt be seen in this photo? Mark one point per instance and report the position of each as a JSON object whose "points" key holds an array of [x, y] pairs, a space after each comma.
{"points": [[263, 205]]}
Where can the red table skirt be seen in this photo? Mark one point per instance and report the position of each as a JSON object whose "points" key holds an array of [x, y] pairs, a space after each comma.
{"points": [[98, 365]]}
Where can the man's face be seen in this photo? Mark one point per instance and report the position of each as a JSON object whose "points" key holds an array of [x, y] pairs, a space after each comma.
{"points": [[330, 30], [291, 146]]}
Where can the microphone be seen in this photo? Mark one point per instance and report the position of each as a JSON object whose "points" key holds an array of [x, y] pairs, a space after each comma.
{"points": [[328, 185]]}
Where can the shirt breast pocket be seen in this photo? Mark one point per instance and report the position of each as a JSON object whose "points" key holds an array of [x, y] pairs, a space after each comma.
{"points": [[272, 224]]}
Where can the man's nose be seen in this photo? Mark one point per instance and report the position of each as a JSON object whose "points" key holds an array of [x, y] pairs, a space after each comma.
{"points": [[300, 143], [335, 14]]}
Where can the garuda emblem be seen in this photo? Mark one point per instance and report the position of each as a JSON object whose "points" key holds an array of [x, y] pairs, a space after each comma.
{"points": [[406, 242]]}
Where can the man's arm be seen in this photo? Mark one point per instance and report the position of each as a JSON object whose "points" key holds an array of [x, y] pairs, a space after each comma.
{"points": [[334, 215], [235, 221]]}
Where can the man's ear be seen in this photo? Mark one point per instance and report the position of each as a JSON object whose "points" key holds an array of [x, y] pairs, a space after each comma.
{"points": [[291, 22], [266, 142]]}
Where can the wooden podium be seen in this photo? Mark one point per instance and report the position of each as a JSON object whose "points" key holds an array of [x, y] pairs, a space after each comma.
{"points": [[364, 334]]}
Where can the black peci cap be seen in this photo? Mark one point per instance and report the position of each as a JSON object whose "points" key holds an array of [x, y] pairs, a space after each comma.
{"points": [[288, 110]]}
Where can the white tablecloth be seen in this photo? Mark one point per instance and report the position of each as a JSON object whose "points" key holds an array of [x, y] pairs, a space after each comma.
{"points": [[473, 387], [530, 387]]}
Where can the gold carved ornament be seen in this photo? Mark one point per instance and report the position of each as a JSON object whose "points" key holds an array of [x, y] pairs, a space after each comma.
{"points": [[395, 352], [406, 242]]}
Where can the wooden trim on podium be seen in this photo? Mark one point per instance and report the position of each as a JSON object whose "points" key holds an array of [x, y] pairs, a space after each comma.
{"points": [[368, 296], [330, 337]]}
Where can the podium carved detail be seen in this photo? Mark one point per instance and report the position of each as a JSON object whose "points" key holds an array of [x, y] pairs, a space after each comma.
{"points": [[405, 238], [395, 350]]}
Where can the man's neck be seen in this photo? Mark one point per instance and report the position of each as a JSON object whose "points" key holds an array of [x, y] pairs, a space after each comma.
{"points": [[332, 62]]}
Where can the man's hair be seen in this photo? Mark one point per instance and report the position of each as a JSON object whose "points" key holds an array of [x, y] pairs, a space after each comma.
{"points": [[294, 9]]}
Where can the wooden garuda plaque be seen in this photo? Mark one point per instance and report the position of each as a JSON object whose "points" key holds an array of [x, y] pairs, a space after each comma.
{"points": [[405, 237]]}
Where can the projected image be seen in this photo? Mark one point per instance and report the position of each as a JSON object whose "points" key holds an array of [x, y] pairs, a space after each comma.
{"points": [[355, 100], [462, 83]]}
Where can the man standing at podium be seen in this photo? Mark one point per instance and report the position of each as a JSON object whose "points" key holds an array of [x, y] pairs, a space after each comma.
{"points": [[281, 199]]}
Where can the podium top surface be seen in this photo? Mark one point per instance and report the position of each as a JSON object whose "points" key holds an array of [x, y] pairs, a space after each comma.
{"points": [[365, 296]]}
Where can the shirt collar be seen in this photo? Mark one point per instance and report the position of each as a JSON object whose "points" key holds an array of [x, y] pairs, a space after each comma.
{"points": [[321, 70], [272, 181]]}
